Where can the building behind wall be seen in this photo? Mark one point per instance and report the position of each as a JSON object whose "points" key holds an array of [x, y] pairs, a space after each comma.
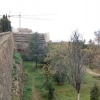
{"points": [[21, 39], [47, 36], [44, 38], [21, 42]]}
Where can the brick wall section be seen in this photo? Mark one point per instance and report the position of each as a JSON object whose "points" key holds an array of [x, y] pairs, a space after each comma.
{"points": [[6, 64]]}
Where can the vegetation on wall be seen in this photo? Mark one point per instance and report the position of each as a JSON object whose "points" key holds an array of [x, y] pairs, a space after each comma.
{"points": [[19, 77], [17, 57]]}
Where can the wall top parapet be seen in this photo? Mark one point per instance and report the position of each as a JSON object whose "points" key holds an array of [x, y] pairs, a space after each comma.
{"points": [[5, 33], [4, 36]]}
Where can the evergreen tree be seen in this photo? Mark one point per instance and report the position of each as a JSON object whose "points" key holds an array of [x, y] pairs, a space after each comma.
{"points": [[5, 24], [94, 93], [36, 48], [0, 26]]}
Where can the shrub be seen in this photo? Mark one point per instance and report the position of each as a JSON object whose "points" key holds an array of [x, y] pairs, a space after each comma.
{"points": [[17, 57], [59, 77], [96, 77], [41, 60], [94, 93], [48, 85], [26, 58], [48, 82]]}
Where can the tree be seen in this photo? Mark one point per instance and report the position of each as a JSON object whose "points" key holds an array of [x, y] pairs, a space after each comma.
{"points": [[76, 62], [57, 56], [94, 54], [48, 81], [0, 26], [97, 38], [88, 54], [36, 48], [94, 93], [5, 24]]}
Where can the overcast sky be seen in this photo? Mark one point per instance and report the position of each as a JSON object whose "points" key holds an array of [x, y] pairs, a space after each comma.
{"points": [[65, 16]]}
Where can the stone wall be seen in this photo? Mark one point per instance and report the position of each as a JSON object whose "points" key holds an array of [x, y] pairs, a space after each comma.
{"points": [[6, 65]]}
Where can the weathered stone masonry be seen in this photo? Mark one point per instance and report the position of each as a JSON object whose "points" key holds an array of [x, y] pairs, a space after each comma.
{"points": [[6, 65]]}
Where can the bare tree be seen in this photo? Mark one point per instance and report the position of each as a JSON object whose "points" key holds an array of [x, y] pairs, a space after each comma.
{"points": [[97, 38], [75, 62]]}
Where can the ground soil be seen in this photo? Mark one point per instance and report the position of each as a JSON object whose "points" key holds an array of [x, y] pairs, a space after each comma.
{"points": [[92, 72]]}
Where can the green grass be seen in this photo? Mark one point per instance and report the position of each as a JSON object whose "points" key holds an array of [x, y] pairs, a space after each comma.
{"points": [[67, 92], [38, 81], [36, 74], [28, 88], [63, 92]]}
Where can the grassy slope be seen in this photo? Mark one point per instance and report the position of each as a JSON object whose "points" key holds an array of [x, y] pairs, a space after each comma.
{"points": [[67, 92], [28, 95], [28, 87], [63, 92]]}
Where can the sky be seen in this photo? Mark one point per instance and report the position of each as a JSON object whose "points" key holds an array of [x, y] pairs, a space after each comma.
{"points": [[58, 17]]}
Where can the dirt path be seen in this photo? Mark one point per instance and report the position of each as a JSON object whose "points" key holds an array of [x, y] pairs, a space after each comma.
{"points": [[91, 72], [35, 93], [56, 97]]}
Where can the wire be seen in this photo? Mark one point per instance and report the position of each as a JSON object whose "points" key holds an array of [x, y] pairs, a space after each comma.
{"points": [[31, 18], [32, 15], [23, 16], [37, 15]]}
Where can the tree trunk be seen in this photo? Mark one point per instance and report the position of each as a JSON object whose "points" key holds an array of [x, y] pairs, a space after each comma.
{"points": [[78, 96], [68, 79], [36, 63]]}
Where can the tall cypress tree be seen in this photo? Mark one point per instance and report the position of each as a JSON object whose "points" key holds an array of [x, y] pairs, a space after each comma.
{"points": [[0, 26], [5, 24]]}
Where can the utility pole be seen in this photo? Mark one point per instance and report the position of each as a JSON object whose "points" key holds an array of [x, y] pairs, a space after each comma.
{"points": [[9, 15], [20, 20]]}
